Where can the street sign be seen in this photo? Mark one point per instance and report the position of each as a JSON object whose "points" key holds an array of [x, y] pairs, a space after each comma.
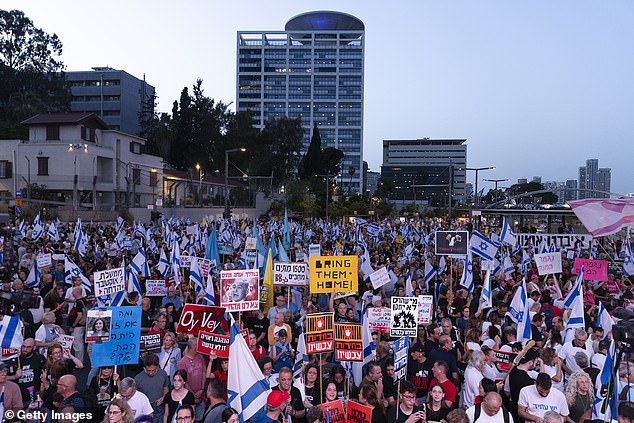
{"points": [[18, 210], [18, 195]]}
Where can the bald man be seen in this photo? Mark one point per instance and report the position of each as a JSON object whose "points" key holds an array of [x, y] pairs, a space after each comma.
{"points": [[489, 411], [67, 388]]}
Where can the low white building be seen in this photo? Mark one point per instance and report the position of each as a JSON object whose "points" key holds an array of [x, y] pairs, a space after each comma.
{"points": [[80, 163]]}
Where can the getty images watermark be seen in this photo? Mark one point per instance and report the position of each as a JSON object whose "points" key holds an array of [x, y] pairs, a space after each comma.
{"points": [[40, 415]]}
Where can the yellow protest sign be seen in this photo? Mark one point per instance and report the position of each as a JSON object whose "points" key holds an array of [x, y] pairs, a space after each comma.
{"points": [[333, 274]]}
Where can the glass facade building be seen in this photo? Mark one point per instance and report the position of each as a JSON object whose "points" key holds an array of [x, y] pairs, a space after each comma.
{"points": [[313, 70]]}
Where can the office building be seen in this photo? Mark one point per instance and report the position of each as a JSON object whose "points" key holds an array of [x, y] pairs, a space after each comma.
{"points": [[313, 70], [604, 182], [594, 182], [583, 183], [570, 192], [522, 181], [423, 170], [114, 95]]}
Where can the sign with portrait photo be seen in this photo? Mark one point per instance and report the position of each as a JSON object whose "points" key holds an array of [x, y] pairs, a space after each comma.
{"points": [[98, 325], [240, 289]]}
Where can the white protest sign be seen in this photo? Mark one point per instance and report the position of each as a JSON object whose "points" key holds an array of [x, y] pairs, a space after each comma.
{"points": [[425, 309], [404, 317], [191, 230], [379, 278], [314, 250], [379, 319], [570, 255], [285, 273], [487, 265], [250, 243], [59, 256], [109, 281], [155, 288], [548, 263], [43, 260], [186, 261], [66, 341]]}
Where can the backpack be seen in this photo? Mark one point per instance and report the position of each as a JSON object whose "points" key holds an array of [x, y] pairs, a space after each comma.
{"points": [[478, 410]]}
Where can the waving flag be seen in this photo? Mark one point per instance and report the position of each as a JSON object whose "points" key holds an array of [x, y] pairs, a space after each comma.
{"points": [[487, 300], [575, 291], [119, 225], [482, 246], [373, 230], [523, 317], [628, 263], [133, 283], [33, 279], [605, 407], [247, 389], [176, 262], [507, 236], [467, 273], [281, 253], [139, 264], [210, 295], [38, 229], [430, 272], [604, 217], [52, 233], [577, 315], [163, 264], [11, 332], [71, 271], [516, 309], [211, 249], [196, 276], [604, 320]]}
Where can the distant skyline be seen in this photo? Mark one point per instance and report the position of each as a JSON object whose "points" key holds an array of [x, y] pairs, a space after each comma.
{"points": [[535, 88]]}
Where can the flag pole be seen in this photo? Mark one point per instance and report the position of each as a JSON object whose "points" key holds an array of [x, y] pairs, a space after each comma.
{"points": [[321, 377], [398, 397], [450, 289]]}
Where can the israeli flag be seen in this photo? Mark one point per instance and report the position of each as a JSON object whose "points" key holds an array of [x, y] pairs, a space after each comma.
{"points": [[196, 276], [487, 299], [176, 262], [442, 266], [38, 229], [11, 332], [577, 315], [52, 232], [409, 250], [119, 225], [247, 388], [139, 264], [133, 283], [628, 263], [373, 230], [482, 246], [71, 270], [163, 264], [605, 379], [507, 236], [210, 295], [467, 273], [516, 309], [575, 291], [430, 272], [604, 320], [33, 279], [524, 318]]}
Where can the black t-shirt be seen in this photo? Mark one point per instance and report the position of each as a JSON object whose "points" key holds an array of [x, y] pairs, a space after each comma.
{"points": [[402, 417], [378, 416], [437, 416], [30, 381], [259, 326], [518, 379], [100, 393], [172, 405], [296, 402], [146, 319], [418, 374], [313, 395], [80, 307]]}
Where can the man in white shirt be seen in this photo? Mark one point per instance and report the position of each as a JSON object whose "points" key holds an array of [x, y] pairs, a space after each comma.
{"points": [[535, 400], [489, 411], [137, 400], [568, 351]]}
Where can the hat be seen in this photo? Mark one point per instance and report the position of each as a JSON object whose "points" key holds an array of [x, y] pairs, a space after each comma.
{"points": [[276, 398], [417, 348]]}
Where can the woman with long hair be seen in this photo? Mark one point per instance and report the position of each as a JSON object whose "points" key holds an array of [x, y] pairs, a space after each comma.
{"points": [[54, 302], [580, 396], [550, 363], [330, 393], [170, 355], [369, 397], [230, 415], [311, 385], [437, 410], [119, 412], [179, 395]]}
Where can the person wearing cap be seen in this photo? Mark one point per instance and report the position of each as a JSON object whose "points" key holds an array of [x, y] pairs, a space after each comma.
{"points": [[10, 390], [276, 404], [519, 377], [418, 370]]}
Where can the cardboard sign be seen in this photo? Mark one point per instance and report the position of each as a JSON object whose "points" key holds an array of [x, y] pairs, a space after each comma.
{"points": [[155, 288], [404, 316], [314, 250], [451, 243], [348, 342], [548, 263], [196, 318], [66, 341], [151, 342], [285, 273], [400, 359], [379, 278], [334, 410], [240, 289], [109, 282], [487, 265], [98, 325], [379, 319], [425, 309], [123, 347], [566, 241], [358, 413], [504, 359], [44, 260], [593, 270], [319, 332], [333, 274]]}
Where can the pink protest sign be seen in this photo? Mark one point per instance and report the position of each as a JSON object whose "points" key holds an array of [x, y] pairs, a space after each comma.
{"points": [[593, 270]]}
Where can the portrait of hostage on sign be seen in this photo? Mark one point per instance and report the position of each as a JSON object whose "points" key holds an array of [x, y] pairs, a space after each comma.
{"points": [[98, 325]]}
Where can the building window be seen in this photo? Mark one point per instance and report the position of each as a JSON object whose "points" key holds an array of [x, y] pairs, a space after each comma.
{"points": [[136, 176], [135, 148], [52, 132], [153, 179], [6, 169], [42, 166]]}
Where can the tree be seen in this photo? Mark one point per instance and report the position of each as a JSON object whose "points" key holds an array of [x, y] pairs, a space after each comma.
{"points": [[30, 71], [283, 140], [311, 162]]}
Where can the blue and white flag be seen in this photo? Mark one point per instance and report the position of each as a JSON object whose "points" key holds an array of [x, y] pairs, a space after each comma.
{"points": [[628, 263], [605, 379], [361, 221], [604, 320], [487, 298], [71, 270], [38, 229], [373, 230], [247, 388], [516, 309], [409, 250], [409, 288], [210, 295], [139, 264], [175, 259], [430, 272], [33, 279], [482, 246], [577, 315], [524, 318], [52, 233], [575, 291], [593, 250], [195, 275], [467, 273], [133, 283], [119, 224], [365, 266], [11, 332], [163, 265], [442, 267]]}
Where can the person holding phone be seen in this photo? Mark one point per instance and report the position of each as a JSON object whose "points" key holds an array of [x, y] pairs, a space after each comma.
{"points": [[408, 411]]}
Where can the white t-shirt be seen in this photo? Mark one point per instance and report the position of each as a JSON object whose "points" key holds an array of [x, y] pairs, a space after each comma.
{"points": [[538, 406], [140, 405], [485, 418], [598, 360], [552, 371], [472, 378], [567, 353], [491, 372]]}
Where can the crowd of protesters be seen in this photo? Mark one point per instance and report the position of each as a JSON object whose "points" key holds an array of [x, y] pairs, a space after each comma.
{"points": [[453, 371]]}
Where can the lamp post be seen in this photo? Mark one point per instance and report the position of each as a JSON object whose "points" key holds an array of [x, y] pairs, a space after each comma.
{"points": [[73, 148], [478, 169], [328, 176], [28, 182], [153, 170], [496, 181], [232, 150], [200, 181]]}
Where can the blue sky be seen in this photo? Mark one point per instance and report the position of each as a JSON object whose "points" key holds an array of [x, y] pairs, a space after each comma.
{"points": [[536, 87]]}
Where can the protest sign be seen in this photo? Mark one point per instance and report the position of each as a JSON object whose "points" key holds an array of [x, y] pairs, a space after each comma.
{"points": [[358, 413], [503, 360], [335, 412], [319, 332], [191, 229], [548, 263], [195, 318], [593, 270], [44, 260], [240, 289], [285, 273], [98, 325], [155, 288], [225, 248], [566, 241], [379, 319], [404, 316], [126, 243], [333, 274], [425, 309], [59, 257], [251, 243], [66, 341], [186, 261], [205, 266], [400, 358], [125, 336], [151, 342], [348, 343], [314, 250], [487, 265], [214, 342], [379, 278], [109, 281], [451, 243], [570, 255]]}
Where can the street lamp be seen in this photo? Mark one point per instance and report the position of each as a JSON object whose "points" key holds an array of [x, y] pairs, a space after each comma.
{"points": [[496, 181], [478, 169], [74, 148], [328, 176], [200, 181], [232, 150], [154, 171]]}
